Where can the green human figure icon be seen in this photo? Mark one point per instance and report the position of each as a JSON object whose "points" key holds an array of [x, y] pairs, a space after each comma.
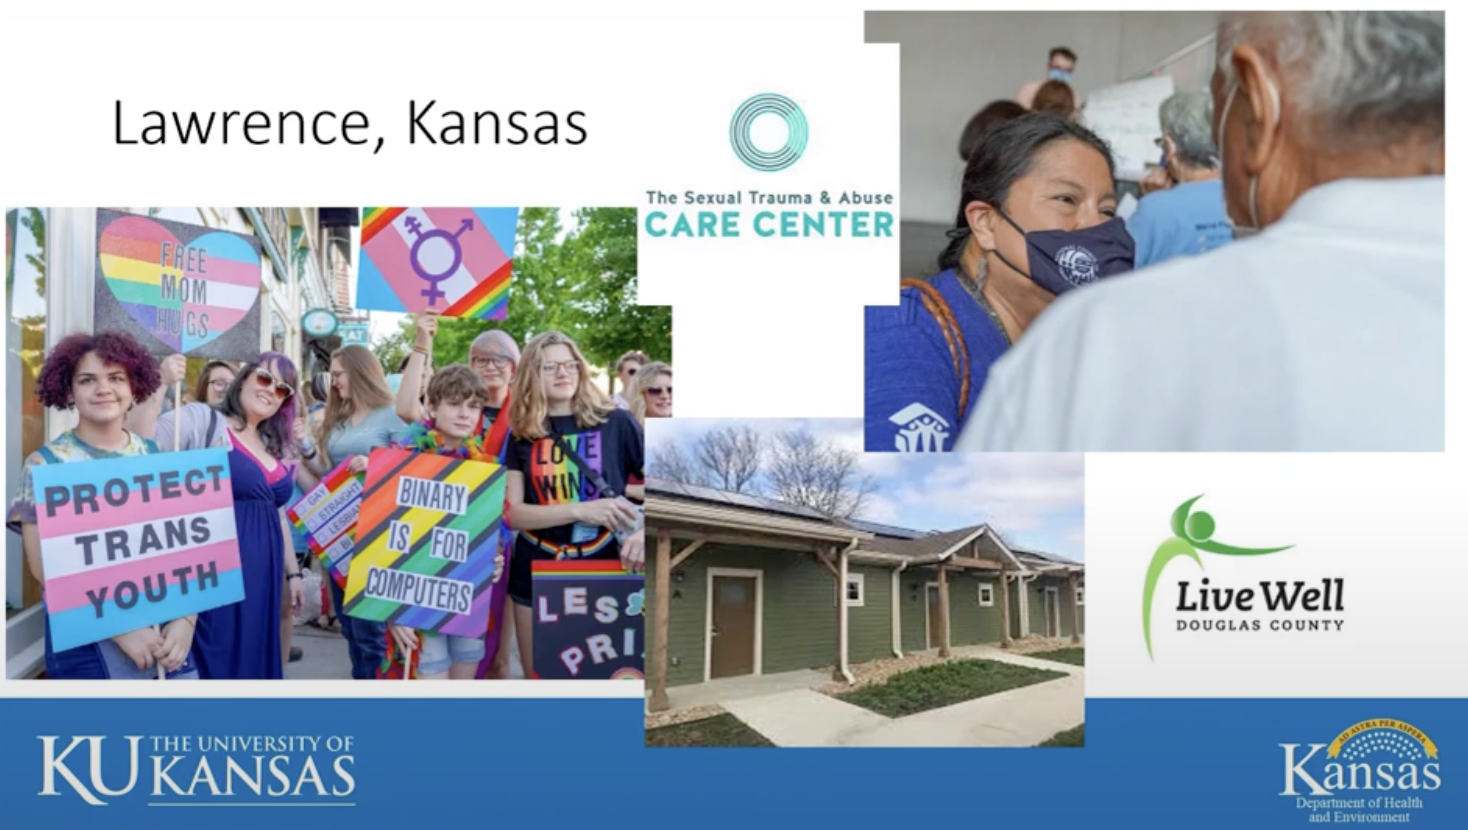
{"points": [[1192, 532]]}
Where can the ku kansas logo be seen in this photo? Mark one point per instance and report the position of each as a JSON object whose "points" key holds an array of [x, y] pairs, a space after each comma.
{"points": [[1078, 265], [922, 429]]}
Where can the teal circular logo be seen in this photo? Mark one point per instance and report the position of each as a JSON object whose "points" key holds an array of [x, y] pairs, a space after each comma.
{"points": [[319, 322], [796, 132]]}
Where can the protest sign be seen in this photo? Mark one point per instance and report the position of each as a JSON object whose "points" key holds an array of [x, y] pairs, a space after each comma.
{"points": [[178, 288], [131, 542], [588, 621], [456, 261], [427, 536], [328, 517]]}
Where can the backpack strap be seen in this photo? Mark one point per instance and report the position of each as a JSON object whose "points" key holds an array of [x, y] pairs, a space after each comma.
{"points": [[213, 427], [957, 346]]}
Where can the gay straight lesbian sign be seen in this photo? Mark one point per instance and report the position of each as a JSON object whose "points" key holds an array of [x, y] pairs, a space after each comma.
{"points": [[328, 515], [588, 621], [131, 542], [427, 536]]}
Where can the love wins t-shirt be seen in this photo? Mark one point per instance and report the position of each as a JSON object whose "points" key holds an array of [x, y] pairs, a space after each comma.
{"points": [[613, 449]]}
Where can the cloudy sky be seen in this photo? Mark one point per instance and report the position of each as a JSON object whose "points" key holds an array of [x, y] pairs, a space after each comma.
{"points": [[1037, 500]]}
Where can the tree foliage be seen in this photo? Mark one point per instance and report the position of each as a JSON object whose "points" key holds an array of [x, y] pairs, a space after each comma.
{"points": [[583, 285]]}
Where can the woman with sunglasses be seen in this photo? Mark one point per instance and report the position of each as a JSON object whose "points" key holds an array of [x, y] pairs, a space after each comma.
{"points": [[359, 418], [575, 453], [254, 422], [652, 392]]}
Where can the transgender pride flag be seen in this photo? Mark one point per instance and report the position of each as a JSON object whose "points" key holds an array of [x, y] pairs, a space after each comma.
{"points": [[456, 261], [131, 542]]}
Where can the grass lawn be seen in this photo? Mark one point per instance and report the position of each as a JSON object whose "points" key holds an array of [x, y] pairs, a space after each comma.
{"points": [[1073, 656], [1070, 737], [945, 684], [721, 730]]}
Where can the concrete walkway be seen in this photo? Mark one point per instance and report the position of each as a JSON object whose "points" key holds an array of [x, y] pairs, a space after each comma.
{"points": [[724, 690], [801, 716]]}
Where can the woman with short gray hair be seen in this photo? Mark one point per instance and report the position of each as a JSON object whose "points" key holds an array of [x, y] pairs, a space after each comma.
{"points": [[1187, 217]]}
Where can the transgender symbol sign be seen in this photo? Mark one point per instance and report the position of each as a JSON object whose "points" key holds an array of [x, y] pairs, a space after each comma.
{"points": [[456, 261], [178, 288]]}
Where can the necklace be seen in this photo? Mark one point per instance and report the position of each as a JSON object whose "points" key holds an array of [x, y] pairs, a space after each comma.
{"points": [[423, 437], [977, 293]]}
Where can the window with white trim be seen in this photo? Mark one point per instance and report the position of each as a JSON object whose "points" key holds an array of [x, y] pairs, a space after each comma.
{"points": [[856, 590], [986, 594], [1080, 595]]}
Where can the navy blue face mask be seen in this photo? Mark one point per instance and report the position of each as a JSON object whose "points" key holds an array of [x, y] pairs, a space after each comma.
{"points": [[1062, 260]]}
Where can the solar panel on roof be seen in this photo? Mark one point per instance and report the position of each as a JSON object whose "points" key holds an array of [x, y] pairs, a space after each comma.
{"points": [[743, 501], [884, 530]]}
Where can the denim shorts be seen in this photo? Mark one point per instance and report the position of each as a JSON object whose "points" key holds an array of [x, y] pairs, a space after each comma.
{"points": [[439, 651]]}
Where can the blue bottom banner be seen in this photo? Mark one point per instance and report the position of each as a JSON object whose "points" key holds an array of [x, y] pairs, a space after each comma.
{"points": [[1159, 763]]}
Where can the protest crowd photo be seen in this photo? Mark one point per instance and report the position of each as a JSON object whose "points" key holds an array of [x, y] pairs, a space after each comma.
{"points": [[327, 443]]}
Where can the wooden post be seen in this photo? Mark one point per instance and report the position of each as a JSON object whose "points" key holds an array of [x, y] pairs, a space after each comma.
{"points": [[841, 618], [664, 571], [945, 649], [1075, 609], [1003, 607]]}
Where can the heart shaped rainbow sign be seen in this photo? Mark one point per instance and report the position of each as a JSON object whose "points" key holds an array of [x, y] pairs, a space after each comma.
{"points": [[178, 288]]}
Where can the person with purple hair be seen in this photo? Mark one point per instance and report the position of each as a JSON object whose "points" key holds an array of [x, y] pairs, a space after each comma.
{"points": [[102, 377], [256, 424]]}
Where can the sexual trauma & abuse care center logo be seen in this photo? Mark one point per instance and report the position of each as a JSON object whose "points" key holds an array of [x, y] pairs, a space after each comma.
{"points": [[200, 770], [768, 133], [1273, 605], [1375, 772]]}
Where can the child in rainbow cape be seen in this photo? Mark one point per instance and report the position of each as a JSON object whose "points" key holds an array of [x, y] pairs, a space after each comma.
{"points": [[455, 400]]}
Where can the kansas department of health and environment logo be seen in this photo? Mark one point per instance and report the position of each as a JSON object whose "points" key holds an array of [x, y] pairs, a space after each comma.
{"points": [[741, 132], [1371, 773], [1288, 605]]}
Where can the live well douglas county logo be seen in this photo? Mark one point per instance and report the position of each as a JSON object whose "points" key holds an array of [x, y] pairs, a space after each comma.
{"points": [[1280, 605], [1372, 773], [719, 212], [199, 771]]}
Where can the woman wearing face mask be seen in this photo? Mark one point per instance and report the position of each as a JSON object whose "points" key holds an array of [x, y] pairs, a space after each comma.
{"points": [[254, 422], [1037, 218], [101, 377], [575, 453], [359, 417]]}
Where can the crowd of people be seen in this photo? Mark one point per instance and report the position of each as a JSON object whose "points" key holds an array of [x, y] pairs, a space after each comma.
{"points": [[517, 409], [1288, 245]]}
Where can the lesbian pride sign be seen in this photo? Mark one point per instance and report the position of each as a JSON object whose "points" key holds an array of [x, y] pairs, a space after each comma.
{"points": [[328, 517], [456, 261], [177, 288], [131, 542], [588, 620]]}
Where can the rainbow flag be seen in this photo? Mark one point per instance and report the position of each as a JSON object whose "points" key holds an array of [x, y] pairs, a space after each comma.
{"points": [[457, 261], [572, 644], [131, 542]]}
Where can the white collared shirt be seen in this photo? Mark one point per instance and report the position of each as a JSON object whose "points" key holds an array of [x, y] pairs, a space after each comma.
{"points": [[1323, 332]]}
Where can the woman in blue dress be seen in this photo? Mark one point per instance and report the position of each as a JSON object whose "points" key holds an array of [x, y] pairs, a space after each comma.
{"points": [[255, 423]]}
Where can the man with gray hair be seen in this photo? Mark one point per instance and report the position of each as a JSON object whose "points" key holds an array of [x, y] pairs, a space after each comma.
{"points": [[1324, 329], [1187, 218]]}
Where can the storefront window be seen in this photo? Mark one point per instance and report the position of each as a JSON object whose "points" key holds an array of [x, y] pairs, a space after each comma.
{"points": [[25, 338]]}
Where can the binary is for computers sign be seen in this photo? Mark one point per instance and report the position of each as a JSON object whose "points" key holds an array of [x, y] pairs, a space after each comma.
{"points": [[588, 621], [131, 542], [427, 536]]}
